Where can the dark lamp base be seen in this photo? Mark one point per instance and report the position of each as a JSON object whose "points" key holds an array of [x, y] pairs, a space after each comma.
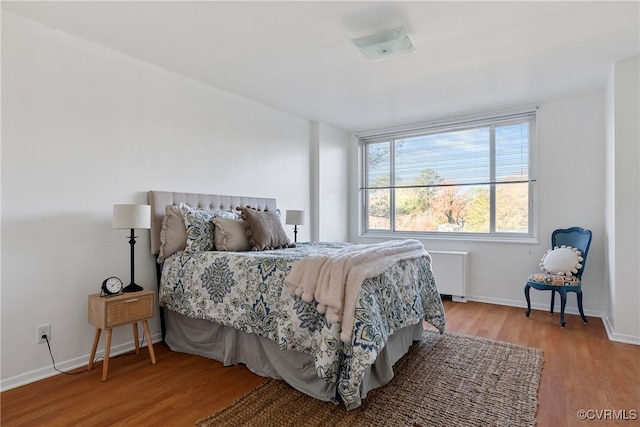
{"points": [[133, 288]]}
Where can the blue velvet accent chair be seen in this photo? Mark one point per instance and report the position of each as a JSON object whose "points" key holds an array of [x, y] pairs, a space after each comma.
{"points": [[574, 237]]}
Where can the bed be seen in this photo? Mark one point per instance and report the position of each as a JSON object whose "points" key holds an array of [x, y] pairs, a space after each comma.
{"points": [[221, 300]]}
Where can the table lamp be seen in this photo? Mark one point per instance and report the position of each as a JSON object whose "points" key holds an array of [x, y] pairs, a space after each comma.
{"points": [[132, 217], [295, 218]]}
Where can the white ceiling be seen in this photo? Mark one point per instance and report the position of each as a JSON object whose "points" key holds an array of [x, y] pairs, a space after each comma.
{"points": [[298, 56]]}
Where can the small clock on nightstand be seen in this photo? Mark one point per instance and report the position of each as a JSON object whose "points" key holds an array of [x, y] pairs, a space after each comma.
{"points": [[111, 286]]}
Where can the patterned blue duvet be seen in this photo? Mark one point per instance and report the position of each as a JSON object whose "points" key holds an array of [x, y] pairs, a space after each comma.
{"points": [[246, 290]]}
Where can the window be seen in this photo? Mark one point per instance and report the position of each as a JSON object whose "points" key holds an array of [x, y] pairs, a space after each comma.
{"points": [[471, 178]]}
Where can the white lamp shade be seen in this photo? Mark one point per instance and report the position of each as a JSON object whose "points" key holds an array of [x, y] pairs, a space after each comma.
{"points": [[132, 216], [295, 218]]}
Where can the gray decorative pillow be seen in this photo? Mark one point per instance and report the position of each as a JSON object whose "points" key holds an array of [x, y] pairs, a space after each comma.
{"points": [[230, 234], [199, 228], [264, 229], [173, 235]]}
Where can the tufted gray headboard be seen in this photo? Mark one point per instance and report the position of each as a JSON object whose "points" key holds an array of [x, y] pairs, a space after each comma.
{"points": [[160, 199]]}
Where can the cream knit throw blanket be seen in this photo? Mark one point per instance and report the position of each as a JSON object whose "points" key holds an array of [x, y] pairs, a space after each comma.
{"points": [[334, 279]]}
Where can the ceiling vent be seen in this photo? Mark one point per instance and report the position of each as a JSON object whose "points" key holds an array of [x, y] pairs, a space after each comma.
{"points": [[385, 45]]}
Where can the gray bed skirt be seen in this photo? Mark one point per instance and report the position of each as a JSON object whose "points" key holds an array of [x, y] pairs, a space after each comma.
{"points": [[265, 358]]}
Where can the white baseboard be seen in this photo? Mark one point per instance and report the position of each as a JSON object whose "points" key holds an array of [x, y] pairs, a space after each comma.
{"points": [[67, 365], [534, 306], [39, 374], [627, 339]]}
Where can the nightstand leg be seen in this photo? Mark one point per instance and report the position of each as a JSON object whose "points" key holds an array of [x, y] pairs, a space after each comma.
{"points": [[107, 350], [96, 339], [145, 325], [135, 337]]}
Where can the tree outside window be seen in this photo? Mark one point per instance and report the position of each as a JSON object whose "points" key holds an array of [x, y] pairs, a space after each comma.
{"points": [[467, 179]]}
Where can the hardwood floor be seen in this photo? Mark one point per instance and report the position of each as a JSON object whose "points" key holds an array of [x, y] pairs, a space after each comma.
{"points": [[582, 370]]}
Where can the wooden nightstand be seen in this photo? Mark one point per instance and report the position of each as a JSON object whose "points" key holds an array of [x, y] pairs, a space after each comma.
{"points": [[107, 312]]}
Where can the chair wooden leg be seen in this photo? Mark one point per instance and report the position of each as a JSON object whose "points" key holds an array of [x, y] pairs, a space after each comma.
{"points": [[563, 303], [526, 295], [553, 301], [579, 296]]}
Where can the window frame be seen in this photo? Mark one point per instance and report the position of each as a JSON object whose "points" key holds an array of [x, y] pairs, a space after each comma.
{"points": [[528, 114]]}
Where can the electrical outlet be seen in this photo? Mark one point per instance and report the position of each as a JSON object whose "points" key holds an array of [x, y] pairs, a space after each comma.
{"points": [[43, 330]]}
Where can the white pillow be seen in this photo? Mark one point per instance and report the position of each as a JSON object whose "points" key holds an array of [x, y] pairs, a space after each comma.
{"points": [[562, 261]]}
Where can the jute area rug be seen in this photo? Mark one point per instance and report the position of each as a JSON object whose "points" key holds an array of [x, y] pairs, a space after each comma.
{"points": [[444, 380]]}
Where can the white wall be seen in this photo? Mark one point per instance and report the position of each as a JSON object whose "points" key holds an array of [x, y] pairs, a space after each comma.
{"points": [[609, 205], [84, 128], [332, 190], [622, 288], [570, 138]]}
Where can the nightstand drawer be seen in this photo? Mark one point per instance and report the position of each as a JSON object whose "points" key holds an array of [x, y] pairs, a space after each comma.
{"points": [[113, 311], [129, 310]]}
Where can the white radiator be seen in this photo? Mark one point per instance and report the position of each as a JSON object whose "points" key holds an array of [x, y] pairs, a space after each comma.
{"points": [[450, 272]]}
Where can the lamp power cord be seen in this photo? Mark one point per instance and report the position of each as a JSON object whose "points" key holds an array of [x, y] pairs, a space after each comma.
{"points": [[46, 338], [54, 362]]}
